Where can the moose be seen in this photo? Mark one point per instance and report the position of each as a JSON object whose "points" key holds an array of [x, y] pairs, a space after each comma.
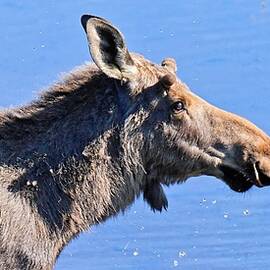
{"points": [[107, 133]]}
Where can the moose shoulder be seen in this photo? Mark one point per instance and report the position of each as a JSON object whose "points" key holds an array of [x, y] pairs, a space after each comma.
{"points": [[108, 132]]}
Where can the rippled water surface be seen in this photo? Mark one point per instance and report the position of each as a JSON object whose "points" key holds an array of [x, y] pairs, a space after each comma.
{"points": [[223, 52]]}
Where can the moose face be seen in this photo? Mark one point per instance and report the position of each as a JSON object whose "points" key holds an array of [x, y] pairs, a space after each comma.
{"points": [[183, 135], [200, 139]]}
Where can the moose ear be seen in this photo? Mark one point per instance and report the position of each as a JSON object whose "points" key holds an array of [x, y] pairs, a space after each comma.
{"points": [[108, 48]]}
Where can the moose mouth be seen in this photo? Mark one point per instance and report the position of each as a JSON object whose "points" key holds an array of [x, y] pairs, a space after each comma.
{"points": [[243, 180]]}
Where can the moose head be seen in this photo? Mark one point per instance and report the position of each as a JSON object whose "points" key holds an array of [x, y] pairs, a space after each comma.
{"points": [[180, 134]]}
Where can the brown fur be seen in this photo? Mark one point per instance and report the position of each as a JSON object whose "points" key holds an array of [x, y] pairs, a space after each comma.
{"points": [[88, 146]]}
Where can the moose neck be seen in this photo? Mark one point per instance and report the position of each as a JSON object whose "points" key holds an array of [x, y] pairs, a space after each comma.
{"points": [[73, 161]]}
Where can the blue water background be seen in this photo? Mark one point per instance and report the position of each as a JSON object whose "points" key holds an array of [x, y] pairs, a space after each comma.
{"points": [[223, 53]]}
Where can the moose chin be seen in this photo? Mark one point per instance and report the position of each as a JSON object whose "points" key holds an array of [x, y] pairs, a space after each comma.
{"points": [[107, 133]]}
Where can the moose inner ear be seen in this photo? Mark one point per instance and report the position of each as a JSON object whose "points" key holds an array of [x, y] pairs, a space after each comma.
{"points": [[108, 48]]}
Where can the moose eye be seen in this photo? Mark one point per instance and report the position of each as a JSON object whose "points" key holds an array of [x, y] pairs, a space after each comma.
{"points": [[177, 106]]}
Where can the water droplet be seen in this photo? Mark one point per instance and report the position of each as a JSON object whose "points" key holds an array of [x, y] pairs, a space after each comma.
{"points": [[126, 245], [182, 253], [135, 253], [225, 215], [175, 263], [34, 183], [246, 212], [214, 201]]}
